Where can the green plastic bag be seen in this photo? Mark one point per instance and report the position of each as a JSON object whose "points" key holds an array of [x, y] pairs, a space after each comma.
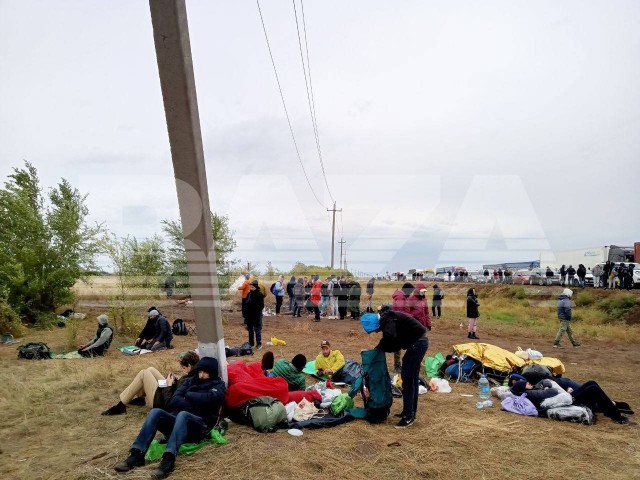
{"points": [[156, 449], [432, 365], [340, 403]]}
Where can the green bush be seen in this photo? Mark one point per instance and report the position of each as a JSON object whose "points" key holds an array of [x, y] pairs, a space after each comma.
{"points": [[10, 321], [617, 307], [584, 299]]}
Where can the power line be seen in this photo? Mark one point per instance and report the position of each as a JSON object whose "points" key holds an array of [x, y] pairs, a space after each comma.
{"points": [[309, 88], [284, 105]]}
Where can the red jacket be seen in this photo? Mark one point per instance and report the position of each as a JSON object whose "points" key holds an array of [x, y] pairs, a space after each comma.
{"points": [[316, 292], [418, 306], [399, 302]]}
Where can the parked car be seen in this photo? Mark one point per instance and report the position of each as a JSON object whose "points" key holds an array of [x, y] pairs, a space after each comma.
{"points": [[538, 276], [520, 277]]}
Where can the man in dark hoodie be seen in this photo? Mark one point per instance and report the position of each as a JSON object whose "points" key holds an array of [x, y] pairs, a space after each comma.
{"points": [[253, 317], [401, 331], [564, 315], [193, 411]]}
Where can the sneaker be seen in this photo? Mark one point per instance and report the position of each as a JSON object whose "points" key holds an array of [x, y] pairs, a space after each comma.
{"points": [[166, 466], [138, 401], [557, 345], [118, 409], [135, 459], [259, 346], [405, 422], [624, 420], [576, 345]]}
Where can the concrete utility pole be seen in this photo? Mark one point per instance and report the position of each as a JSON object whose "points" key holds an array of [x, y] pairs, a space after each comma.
{"points": [[341, 242], [173, 52], [333, 230]]}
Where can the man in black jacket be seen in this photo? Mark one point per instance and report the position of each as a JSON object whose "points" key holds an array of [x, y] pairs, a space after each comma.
{"points": [[162, 335], [193, 411], [401, 331]]}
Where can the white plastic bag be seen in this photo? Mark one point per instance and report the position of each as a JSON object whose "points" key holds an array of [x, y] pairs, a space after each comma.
{"points": [[501, 392], [534, 354], [439, 385], [522, 354]]}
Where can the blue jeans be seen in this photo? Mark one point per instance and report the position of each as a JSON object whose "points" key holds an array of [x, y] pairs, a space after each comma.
{"points": [[324, 303], [410, 376], [179, 429], [291, 302], [255, 328]]}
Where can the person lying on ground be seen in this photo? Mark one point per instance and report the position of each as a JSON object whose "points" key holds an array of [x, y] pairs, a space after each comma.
{"points": [[329, 362], [101, 340], [162, 335], [589, 395], [145, 336], [193, 411], [291, 371], [143, 390]]}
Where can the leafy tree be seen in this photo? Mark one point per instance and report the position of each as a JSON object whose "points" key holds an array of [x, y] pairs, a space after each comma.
{"points": [[45, 246], [147, 258], [271, 271], [224, 247]]}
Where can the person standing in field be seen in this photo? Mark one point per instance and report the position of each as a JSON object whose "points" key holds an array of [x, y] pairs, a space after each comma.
{"points": [[436, 301], [472, 313], [564, 315], [369, 297], [290, 294], [571, 274], [563, 275], [255, 305], [278, 292], [244, 288]]}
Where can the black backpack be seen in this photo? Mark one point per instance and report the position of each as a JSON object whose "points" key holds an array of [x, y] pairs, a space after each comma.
{"points": [[273, 285], [34, 351], [179, 328]]}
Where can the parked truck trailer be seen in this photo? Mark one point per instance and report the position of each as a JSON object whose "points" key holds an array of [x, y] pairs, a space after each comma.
{"points": [[586, 256]]}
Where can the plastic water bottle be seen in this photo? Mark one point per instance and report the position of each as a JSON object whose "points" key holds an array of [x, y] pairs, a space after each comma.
{"points": [[484, 404], [483, 388]]}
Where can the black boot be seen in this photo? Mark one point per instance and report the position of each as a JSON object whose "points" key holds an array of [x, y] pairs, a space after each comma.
{"points": [[167, 464], [118, 409], [135, 459], [474, 336], [469, 335]]}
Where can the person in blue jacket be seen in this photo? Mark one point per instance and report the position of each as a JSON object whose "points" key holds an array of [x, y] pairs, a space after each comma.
{"points": [[192, 412], [564, 315]]}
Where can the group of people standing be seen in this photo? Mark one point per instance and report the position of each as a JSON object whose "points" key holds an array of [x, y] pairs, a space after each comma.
{"points": [[605, 276]]}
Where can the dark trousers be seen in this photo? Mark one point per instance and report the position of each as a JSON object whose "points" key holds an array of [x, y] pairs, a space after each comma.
{"points": [[297, 308], [591, 395], [255, 328], [178, 429], [93, 352], [279, 299], [435, 308], [316, 311], [410, 375]]}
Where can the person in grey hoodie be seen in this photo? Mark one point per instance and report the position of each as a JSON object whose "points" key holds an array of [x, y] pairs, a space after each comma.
{"points": [[564, 315], [101, 340]]}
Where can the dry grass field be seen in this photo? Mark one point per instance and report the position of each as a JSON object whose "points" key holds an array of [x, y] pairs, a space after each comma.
{"points": [[52, 428]]}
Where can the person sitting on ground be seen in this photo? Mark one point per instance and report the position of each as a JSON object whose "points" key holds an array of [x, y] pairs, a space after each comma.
{"points": [[162, 335], [149, 330], [101, 341], [291, 371], [192, 412], [143, 390], [329, 362], [589, 394]]}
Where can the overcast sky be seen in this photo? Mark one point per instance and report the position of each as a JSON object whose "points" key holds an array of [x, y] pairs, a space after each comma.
{"points": [[451, 132]]}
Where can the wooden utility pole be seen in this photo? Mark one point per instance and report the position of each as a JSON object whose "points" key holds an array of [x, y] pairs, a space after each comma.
{"points": [[173, 52], [333, 230]]}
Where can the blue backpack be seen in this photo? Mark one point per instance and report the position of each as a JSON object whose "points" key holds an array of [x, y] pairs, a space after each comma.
{"points": [[462, 371], [375, 377]]}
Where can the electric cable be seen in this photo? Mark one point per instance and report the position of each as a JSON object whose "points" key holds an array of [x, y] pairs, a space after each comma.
{"points": [[284, 105]]}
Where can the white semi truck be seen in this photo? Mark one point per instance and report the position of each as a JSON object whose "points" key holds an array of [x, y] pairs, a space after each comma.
{"points": [[586, 256]]}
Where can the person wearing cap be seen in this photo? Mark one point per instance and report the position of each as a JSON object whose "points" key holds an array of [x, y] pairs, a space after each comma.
{"points": [[329, 362], [143, 390], [162, 335], [101, 341], [418, 305], [401, 331], [253, 318], [291, 371], [191, 413], [564, 315]]}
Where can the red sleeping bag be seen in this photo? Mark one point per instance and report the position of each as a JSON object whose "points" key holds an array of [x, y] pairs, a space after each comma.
{"points": [[241, 392], [298, 395]]}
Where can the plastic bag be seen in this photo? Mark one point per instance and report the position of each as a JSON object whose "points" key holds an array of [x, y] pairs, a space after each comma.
{"points": [[522, 354], [439, 385], [277, 341], [156, 449], [432, 365], [340, 403], [534, 354]]}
